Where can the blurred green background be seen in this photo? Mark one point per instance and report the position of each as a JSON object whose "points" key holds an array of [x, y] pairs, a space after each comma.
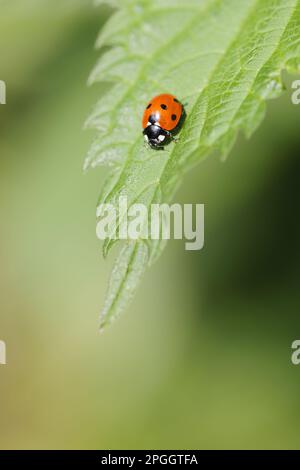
{"points": [[201, 359]]}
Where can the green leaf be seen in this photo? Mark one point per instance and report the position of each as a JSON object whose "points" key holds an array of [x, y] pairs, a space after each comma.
{"points": [[128, 269], [223, 59]]}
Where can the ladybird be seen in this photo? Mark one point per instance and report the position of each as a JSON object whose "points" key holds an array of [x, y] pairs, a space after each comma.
{"points": [[161, 120]]}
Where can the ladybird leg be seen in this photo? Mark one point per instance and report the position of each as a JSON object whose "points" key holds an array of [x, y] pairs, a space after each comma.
{"points": [[146, 145], [173, 138]]}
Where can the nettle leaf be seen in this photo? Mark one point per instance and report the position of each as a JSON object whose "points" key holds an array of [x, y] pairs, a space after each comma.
{"points": [[222, 59]]}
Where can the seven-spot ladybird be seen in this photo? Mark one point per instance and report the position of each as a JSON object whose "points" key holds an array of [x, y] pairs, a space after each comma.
{"points": [[161, 119]]}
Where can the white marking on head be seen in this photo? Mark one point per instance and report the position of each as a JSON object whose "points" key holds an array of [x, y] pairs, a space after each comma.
{"points": [[161, 138], [146, 138]]}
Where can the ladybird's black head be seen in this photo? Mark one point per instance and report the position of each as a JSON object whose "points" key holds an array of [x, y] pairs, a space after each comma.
{"points": [[156, 136]]}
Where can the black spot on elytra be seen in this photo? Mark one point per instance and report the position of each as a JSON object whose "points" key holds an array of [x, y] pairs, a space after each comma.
{"points": [[149, 105], [164, 106], [176, 100], [173, 117]]}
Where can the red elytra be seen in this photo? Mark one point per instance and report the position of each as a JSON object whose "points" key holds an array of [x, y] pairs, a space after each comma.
{"points": [[167, 111]]}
